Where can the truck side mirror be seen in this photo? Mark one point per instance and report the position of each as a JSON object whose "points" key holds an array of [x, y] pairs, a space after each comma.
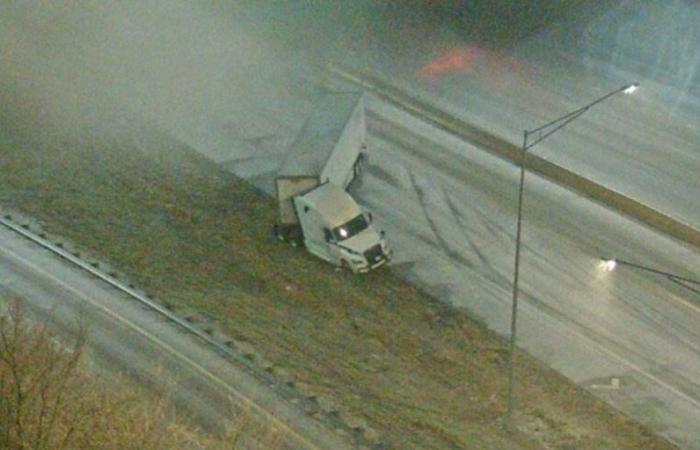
{"points": [[327, 234], [382, 234], [369, 216]]}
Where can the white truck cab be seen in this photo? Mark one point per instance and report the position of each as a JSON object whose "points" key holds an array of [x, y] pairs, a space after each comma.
{"points": [[338, 231]]}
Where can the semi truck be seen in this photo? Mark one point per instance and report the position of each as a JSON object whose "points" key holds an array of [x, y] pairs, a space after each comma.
{"points": [[315, 209]]}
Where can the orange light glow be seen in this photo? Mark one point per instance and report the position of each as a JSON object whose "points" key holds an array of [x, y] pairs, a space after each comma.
{"points": [[497, 70], [456, 60]]}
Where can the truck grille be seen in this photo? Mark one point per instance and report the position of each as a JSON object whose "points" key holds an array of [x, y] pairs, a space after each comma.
{"points": [[374, 254]]}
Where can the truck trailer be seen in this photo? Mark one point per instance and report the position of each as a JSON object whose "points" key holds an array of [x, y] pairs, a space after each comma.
{"points": [[315, 208]]}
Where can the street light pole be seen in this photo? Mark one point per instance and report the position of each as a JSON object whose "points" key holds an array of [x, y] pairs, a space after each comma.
{"points": [[540, 133], [516, 274]]}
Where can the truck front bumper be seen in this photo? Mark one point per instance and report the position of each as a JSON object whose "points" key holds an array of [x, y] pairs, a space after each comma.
{"points": [[385, 257]]}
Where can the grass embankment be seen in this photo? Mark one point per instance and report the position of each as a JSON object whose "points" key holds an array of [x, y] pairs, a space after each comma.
{"points": [[422, 375], [51, 400]]}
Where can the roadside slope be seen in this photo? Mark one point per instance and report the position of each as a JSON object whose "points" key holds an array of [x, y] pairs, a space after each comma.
{"points": [[422, 375]]}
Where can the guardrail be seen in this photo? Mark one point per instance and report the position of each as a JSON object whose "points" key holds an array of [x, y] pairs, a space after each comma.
{"points": [[116, 284]]}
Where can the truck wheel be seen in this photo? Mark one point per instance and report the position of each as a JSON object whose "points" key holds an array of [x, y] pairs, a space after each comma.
{"points": [[344, 265]]}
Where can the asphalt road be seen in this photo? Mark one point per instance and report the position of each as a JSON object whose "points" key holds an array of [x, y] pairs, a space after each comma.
{"points": [[126, 336]]}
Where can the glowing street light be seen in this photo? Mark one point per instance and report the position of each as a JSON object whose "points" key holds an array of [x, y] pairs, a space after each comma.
{"points": [[631, 88], [609, 264], [530, 139]]}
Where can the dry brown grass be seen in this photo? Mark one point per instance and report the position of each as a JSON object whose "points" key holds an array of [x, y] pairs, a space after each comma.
{"points": [[422, 375], [49, 400]]}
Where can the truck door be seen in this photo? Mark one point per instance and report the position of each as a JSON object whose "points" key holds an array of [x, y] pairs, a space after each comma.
{"points": [[313, 228]]}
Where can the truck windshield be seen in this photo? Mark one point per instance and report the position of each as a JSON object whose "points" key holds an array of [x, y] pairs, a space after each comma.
{"points": [[350, 228]]}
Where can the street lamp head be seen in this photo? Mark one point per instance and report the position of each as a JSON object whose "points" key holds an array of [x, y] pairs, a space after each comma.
{"points": [[608, 265], [630, 88]]}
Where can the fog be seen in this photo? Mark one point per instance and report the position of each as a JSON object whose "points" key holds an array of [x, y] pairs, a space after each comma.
{"points": [[658, 40], [77, 65], [218, 73], [69, 65]]}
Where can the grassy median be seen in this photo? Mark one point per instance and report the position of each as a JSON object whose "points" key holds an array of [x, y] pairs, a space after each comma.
{"points": [[421, 374]]}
